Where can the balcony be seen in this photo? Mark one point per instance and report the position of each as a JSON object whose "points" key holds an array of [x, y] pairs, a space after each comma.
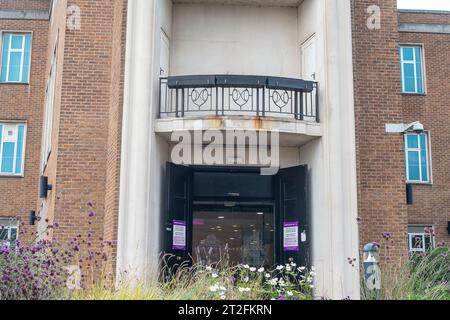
{"points": [[231, 95], [229, 102]]}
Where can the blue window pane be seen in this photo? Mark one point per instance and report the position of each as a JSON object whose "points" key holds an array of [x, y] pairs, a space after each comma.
{"points": [[413, 166], [15, 61], [13, 234], [19, 155], [16, 41], [26, 59], [424, 157], [3, 234], [4, 57], [8, 157], [413, 141], [408, 77], [419, 79], [424, 172], [408, 54]]}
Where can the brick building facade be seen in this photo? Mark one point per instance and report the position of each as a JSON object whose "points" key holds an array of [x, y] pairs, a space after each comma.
{"points": [[86, 132]]}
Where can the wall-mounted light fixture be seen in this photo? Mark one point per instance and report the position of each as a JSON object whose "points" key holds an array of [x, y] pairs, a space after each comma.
{"points": [[404, 128], [409, 194], [44, 187], [32, 218]]}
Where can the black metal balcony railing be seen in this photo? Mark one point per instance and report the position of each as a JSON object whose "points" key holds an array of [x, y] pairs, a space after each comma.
{"points": [[221, 95]]}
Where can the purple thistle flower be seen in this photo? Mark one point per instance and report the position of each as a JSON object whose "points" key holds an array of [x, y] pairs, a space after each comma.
{"points": [[387, 235]]}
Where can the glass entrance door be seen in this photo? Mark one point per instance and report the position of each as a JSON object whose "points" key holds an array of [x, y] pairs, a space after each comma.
{"points": [[233, 233]]}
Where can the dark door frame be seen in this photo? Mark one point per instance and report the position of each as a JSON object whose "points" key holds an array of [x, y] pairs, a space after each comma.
{"points": [[282, 212]]}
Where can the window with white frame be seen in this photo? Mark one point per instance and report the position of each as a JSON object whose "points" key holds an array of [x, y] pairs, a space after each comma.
{"points": [[12, 148], [8, 231], [420, 238], [417, 157], [412, 69], [16, 57], [48, 117]]}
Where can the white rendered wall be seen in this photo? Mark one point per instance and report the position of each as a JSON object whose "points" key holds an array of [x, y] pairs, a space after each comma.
{"points": [[242, 40], [222, 39]]}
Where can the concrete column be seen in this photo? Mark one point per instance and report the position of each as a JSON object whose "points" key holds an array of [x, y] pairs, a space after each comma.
{"points": [[340, 150], [137, 128]]}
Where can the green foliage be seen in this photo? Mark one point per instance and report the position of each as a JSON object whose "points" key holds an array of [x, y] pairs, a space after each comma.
{"points": [[217, 283], [422, 277]]}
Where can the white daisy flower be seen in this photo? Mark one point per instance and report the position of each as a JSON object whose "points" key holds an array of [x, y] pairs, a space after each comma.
{"points": [[213, 288], [261, 270]]}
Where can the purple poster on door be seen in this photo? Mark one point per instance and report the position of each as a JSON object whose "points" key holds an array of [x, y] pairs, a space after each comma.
{"points": [[290, 236], [179, 235]]}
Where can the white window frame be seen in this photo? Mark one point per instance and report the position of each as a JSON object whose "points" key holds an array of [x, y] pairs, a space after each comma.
{"points": [[418, 149], [22, 51], [22, 169], [9, 229], [53, 7], [50, 94], [414, 62], [423, 235]]}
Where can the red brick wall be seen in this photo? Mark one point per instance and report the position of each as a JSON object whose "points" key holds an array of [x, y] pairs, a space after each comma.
{"points": [[25, 4], [380, 160], [114, 130], [25, 103], [84, 166], [56, 36], [432, 202], [416, 17]]}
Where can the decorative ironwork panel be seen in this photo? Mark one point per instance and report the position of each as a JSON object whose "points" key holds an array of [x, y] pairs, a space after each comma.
{"points": [[250, 96]]}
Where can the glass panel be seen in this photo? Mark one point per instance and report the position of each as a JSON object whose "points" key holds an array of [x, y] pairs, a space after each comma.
{"points": [[13, 234], [428, 242], [413, 166], [14, 66], [4, 56], [408, 54], [3, 233], [8, 157], [419, 79], [424, 157], [409, 78], [413, 141], [238, 235], [16, 41], [26, 58], [416, 241], [19, 156]]}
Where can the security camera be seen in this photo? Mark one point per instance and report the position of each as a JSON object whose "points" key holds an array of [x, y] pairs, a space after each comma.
{"points": [[416, 127]]}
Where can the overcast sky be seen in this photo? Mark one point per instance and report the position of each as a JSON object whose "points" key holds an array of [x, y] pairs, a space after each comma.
{"points": [[424, 4]]}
